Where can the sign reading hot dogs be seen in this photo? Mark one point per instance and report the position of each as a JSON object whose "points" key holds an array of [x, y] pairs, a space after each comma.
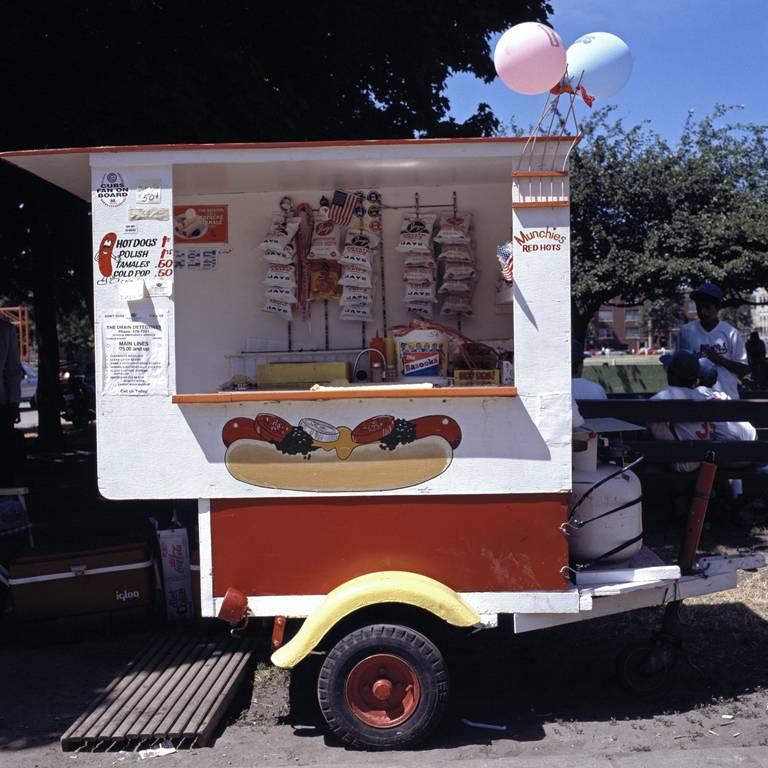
{"points": [[381, 453]]}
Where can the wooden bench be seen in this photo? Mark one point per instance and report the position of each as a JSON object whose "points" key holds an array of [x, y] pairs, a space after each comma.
{"points": [[745, 460]]}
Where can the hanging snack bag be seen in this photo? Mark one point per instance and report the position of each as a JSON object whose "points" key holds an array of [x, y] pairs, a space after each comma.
{"points": [[359, 312], [280, 308], [416, 233], [456, 304], [420, 260], [281, 293], [459, 253], [281, 274], [421, 308], [358, 246], [351, 296], [419, 274], [282, 230], [419, 292], [326, 239], [356, 277], [457, 270], [455, 286], [454, 228], [324, 280]]}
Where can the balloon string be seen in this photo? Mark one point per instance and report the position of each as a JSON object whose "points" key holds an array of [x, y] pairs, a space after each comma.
{"points": [[532, 137]]}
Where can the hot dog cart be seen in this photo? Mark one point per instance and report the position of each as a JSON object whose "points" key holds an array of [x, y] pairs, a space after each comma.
{"points": [[316, 341]]}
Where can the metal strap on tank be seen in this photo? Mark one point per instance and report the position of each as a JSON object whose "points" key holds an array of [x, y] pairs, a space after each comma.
{"points": [[581, 523], [634, 540], [603, 482]]}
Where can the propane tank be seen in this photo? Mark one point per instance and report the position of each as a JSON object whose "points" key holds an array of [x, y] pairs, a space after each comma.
{"points": [[594, 493]]}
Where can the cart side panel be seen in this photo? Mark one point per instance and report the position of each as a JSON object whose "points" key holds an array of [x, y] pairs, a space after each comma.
{"points": [[310, 546]]}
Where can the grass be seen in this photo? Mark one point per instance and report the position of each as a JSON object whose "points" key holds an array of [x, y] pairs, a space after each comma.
{"points": [[626, 374]]}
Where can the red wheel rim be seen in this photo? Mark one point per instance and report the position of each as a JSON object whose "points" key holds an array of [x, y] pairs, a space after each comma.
{"points": [[383, 691]]}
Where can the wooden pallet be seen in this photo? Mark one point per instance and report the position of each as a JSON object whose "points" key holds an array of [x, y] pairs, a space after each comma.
{"points": [[176, 690]]}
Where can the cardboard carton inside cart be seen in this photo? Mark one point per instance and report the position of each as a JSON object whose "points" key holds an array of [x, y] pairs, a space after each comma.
{"points": [[284, 331]]}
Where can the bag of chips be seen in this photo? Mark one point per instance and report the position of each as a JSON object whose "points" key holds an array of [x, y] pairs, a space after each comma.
{"points": [[457, 270], [356, 277], [454, 228], [356, 259], [419, 292], [460, 253], [419, 274], [282, 230], [281, 293], [421, 308], [281, 274], [456, 304], [326, 239], [359, 312], [280, 308], [420, 260], [455, 286], [286, 256], [351, 296], [416, 233]]}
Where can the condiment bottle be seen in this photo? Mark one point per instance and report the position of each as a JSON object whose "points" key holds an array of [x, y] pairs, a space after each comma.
{"points": [[378, 344]]}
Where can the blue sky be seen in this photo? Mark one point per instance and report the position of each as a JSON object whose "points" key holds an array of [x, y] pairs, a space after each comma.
{"points": [[688, 54]]}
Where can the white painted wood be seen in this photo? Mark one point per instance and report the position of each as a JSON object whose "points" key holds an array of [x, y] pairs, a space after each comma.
{"points": [[622, 575], [653, 594], [207, 603]]}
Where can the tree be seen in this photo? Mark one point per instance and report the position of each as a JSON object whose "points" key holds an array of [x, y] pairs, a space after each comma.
{"points": [[649, 220], [143, 73]]}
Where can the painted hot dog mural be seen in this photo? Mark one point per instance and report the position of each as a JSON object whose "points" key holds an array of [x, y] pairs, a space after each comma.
{"points": [[379, 454]]}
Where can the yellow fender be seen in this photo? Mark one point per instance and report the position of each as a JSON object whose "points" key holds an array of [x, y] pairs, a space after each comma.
{"points": [[371, 589]]}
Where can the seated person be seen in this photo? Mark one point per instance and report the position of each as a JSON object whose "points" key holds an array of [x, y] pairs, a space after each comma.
{"points": [[581, 388], [682, 377], [722, 430]]}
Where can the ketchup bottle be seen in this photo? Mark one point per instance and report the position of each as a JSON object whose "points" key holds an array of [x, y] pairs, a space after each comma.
{"points": [[377, 342]]}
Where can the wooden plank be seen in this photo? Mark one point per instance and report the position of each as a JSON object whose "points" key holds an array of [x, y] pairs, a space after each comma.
{"points": [[346, 393], [117, 688], [644, 411], [536, 174], [179, 687], [542, 204]]}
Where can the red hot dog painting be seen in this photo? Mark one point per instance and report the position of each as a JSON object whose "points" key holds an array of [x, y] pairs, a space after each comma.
{"points": [[382, 453]]}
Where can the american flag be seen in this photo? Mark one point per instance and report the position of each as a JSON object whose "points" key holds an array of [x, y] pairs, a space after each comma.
{"points": [[342, 207], [506, 261]]}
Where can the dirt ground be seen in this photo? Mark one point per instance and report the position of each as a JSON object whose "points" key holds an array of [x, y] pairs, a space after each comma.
{"points": [[544, 697]]}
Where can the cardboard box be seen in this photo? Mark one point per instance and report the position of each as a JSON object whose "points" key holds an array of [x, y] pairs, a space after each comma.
{"points": [[107, 580], [289, 374], [476, 377]]}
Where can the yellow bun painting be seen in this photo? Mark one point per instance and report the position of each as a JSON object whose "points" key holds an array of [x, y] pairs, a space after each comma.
{"points": [[380, 454]]}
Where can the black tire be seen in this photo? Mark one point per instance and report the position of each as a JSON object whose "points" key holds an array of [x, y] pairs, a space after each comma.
{"points": [[405, 647], [645, 668]]}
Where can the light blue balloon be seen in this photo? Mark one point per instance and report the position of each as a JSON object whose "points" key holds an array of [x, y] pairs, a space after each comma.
{"points": [[605, 61]]}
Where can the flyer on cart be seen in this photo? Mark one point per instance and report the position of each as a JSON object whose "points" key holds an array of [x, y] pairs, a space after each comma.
{"points": [[135, 349]]}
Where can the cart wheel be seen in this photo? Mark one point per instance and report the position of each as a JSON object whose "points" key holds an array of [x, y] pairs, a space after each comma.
{"points": [[645, 668], [383, 686]]}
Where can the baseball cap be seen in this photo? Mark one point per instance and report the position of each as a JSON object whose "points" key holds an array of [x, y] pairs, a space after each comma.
{"points": [[685, 366], [708, 291], [707, 372]]}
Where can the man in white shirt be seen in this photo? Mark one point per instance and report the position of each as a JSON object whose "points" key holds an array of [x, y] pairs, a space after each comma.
{"points": [[722, 430], [581, 388], [682, 376], [715, 339]]}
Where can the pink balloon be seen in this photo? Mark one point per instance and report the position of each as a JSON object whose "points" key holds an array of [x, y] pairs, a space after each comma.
{"points": [[530, 58]]}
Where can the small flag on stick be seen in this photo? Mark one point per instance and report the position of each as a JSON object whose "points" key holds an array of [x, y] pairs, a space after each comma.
{"points": [[506, 261], [342, 207]]}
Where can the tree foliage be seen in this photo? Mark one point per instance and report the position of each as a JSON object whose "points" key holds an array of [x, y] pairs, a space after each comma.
{"points": [[649, 219], [158, 71]]}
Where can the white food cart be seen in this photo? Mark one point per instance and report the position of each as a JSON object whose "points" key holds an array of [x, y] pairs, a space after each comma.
{"points": [[435, 491]]}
